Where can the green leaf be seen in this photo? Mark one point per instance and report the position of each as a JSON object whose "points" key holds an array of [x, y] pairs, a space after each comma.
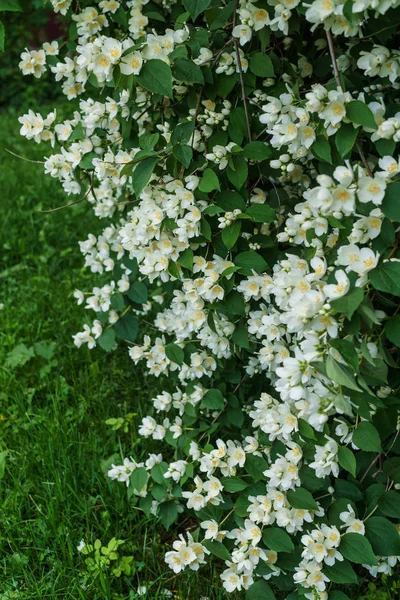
{"points": [[183, 153], [392, 330], [306, 430], [10, 5], [348, 304], [107, 339], [386, 278], [261, 213], [138, 292], [168, 512], [391, 202], [138, 479], [345, 138], [238, 175], [360, 114], [255, 466], [260, 590], [213, 399], [229, 201], [218, 549], [231, 233], [127, 327], [348, 12], [389, 504], [142, 174], [2, 36], [341, 374], [356, 548], [301, 498], [347, 460], [383, 535], [341, 572], [156, 76], [366, 437], [175, 353], [347, 352], [19, 355], [182, 133], [322, 149], [187, 71], [148, 140], [277, 539], [261, 65], [234, 484], [186, 259], [258, 151], [209, 181], [195, 7], [250, 261], [338, 595]]}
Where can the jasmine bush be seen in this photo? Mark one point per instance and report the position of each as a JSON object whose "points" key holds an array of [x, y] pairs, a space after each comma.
{"points": [[243, 157]]}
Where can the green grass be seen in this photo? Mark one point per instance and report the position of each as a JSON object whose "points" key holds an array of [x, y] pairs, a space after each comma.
{"points": [[54, 400]]}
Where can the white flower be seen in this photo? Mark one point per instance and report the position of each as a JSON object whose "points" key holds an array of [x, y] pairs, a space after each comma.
{"points": [[243, 32], [131, 64]]}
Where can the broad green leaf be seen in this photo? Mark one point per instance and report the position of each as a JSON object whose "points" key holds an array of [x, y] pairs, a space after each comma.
{"points": [[107, 339], [138, 479], [383, 535], [392, 330], [391, 202], [345, 138], [348, 304], [168, 512], [234, 484], [347, 351], [213, 399], [250, 261], [195, 7], [174, 353], [359, 113], [217, 549], [209, 181], [389, 504], [356, 548], [366, 437], [238, 175], [260, 590], [341, 374], [231, 233], [322, 149], [301, 498], [2, 36], [229, 201], [341, 572], [138, 292], [347, 460], [386, 278], [258, 151], [10, 5], [261, 213], [183, 153], [142, 173], [261, 65], [187, 71], [127, 327], [277, 539], [156, 76]]}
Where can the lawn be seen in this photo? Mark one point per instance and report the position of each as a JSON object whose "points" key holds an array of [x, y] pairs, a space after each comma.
{"points": [[54, 404]]}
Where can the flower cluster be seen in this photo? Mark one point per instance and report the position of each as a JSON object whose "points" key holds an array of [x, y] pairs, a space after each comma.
{"points": [[248, 183]]}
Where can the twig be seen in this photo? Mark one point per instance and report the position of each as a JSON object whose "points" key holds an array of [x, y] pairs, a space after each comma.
{"points": [[38, 162], [68, 205], [239, 66], [339, 84]]}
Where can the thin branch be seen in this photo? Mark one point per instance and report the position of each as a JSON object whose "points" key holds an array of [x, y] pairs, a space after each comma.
{"points": [[239, 65], [68, 205], [339, 84], [38, 162]]}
